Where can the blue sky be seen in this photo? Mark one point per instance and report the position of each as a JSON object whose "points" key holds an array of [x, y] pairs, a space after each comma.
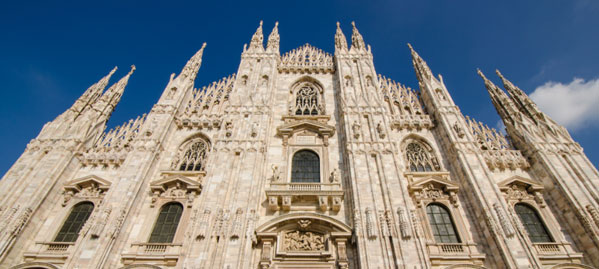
{"points": [[51, 51]]}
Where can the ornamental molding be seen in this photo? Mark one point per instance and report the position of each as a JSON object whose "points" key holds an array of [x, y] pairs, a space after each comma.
{"points": [[175, 187], [314, 124], [88, 187], [434, 188]]}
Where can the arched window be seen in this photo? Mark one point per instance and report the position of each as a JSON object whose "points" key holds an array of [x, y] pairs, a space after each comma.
{"points": [[77, 218], [441, 224], [193, 157], [419, 159], [305, 167], [537, 232], [166, 224], [306, 101]]}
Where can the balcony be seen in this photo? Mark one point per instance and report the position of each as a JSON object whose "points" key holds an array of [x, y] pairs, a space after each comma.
{"points": [[454, 253], [304, 196], [157, 253], [557, 252], [54, 252]]}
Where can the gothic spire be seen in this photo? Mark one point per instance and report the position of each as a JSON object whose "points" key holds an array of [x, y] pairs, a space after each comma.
{"points": [[257, 42], [92, 93], [192, 67], [340, 40], [112, 96], [273, 40], [503, 104], [422, 70], [357, 41], [522, 100]]}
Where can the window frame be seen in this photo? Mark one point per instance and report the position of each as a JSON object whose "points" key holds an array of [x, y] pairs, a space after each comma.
{"points": [[66, 216], [540, 219], [156, 218], [291, 166], [451, 219]]}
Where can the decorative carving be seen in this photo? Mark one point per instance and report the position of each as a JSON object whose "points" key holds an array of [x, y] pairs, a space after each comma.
{"points": [[192, 156], [503, 220], [380, 130], [304, 223], [89, 187], [431, 192], [229, 128], [594, 214], [518, 192], [458, 130], [254, 130], [357, 222], [237, 224], [370, 223], [334, 177], [306, 57], [307, 101], [251, 220], [118, 223], [303, 241], [356, 129], [276, 174], [420, 160], [416, 223], [404, 226], [203, 226], [98, 226]]}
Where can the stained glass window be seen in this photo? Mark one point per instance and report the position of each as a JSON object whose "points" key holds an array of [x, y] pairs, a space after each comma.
{"points": [[166, 224], [537, 232], [305, 167], [441, 224], [75, 221]]}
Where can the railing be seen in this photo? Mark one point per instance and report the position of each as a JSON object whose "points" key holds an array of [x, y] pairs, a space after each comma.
{"points": [[58, 247], [305, 186], [548, 248], [452, 248], [155, 248]]}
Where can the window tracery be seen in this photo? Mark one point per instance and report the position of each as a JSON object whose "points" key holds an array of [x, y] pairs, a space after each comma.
{"points": [[193, 157], [306, 101], [419, 159]]}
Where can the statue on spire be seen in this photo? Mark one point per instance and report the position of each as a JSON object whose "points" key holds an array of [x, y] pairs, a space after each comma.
{"points": [[192, 67], [273, 40], [257, 39], [357, 41], [503, 104], [340, 40], [525, 104]]}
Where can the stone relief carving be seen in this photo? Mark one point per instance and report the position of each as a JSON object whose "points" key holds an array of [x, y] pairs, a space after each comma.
{"points": [[404, 226], [229, 128], [370, 223], [237, 224], [203, 225], [118, 223], [381, 130], [276, 174], [334, 177], [98, 226], [594, 214], [503, 220], [458, 130], [356, 129], [303, 241], [416, 223], [518, 192]]}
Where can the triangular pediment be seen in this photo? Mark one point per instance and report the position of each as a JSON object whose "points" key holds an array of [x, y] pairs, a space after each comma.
{"points": [[528, 183], [86, 181], [437, 181], [163, 184], [290, 128]]}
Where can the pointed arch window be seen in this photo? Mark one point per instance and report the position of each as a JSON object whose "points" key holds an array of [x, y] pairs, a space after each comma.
{"points": [[167, 223], [419, 159], [305, 167], [306, 101], [193, 158], [441, 224], [74, 222], [537, 232]]}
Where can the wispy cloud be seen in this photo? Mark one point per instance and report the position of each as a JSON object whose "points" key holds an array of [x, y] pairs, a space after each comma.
{"points": [[574, 105]]}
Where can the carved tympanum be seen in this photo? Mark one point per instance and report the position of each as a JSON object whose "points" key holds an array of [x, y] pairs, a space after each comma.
{"points": [[303, 241]]}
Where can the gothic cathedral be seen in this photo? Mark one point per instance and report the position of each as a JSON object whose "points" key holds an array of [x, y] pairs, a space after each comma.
{"points": [[301, 160]]}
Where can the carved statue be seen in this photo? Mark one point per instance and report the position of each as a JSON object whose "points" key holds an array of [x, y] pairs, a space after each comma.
{"points": [[334, 177], [303, 241], [276, 174]]}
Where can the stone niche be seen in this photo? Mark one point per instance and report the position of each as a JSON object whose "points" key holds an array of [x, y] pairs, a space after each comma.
{"points": [[303, 240]]}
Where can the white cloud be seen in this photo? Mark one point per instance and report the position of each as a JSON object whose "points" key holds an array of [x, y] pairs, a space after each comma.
{"points": [[573, 105]]}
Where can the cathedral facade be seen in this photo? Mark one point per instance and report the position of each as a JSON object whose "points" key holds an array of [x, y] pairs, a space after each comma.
{"points": [[301, 160]]}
